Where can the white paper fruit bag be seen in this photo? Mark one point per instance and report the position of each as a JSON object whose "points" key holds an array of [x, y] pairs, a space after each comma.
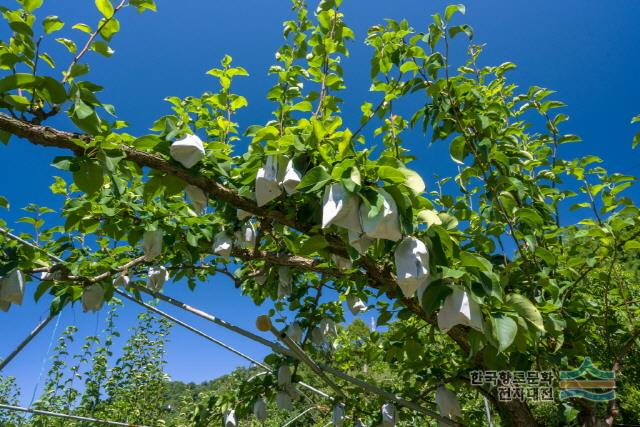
{"points": [[12, 287], [340, 207], [267, 184], [459, 309], [386, 223], [188, 151], [412, 265], [92, 298]]}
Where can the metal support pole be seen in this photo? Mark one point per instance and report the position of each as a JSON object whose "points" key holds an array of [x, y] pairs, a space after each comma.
{"points": [[277, 348], [26, 341], [192, 329], [282, 350], [300, 415], [304, 358], [69, 417], [267, 368]]}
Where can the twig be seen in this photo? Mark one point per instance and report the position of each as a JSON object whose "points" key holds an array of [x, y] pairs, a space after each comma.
{"points": [[92, 37]]}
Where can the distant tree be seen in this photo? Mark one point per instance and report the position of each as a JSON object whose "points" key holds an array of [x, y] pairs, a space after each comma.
{"points": [[131, 388], [9, 395]]}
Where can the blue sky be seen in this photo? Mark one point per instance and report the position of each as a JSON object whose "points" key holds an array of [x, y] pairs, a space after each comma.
{"points": [[584, 49]]}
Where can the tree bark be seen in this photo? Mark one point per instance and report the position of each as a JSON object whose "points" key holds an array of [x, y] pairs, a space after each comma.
{"points": [[515, 414]]}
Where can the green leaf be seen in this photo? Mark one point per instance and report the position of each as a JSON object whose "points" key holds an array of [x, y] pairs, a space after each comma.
{"points": [[111, 159], [105, 7], [457, 149], [313, 244], [31, 5], [51, 24], [452, 9], [4, 137], [433, 296], [353, 180], [315, 179], [526, 309], [409, 66], [147, 142], [632, 244], [546, 255], [15, 81], [143, 5], [86, 118], [78, 70], [82, 110], [69, 44], [450, 273], [83, 27], [102, 48], [469, 259], [302, 106], [454, 31], [89, 178], [504, 329], [110, 28], [529, 216], [429, 217], [49, 88], [391, 174], [413, 180], [4, 203], [48, 59], [52, 90]]}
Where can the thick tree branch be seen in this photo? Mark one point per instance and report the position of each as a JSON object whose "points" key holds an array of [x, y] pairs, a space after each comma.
{"points": [[377, 276]]}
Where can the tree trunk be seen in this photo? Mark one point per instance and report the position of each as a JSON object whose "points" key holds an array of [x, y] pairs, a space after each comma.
{"points": [[588, 415], [515, 414]]}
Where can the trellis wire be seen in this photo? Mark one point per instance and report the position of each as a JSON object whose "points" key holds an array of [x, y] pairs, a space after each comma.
{"points": [[300, 415], [304, 358], [282, 350], [31, 245], [67, 416], [185, 325], [355, 381], [44, 359]]}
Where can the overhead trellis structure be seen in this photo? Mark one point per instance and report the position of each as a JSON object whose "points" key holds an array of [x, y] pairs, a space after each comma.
{"points": [[294, 352], [285, 351], [198, 332], [298, 416], [67, 416]]}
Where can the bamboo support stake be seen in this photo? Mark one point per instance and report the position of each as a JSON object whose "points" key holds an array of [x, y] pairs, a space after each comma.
{"points": [[69, 417]]}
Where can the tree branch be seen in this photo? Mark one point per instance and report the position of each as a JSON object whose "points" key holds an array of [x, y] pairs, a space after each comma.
{"points": [[377, 276]]}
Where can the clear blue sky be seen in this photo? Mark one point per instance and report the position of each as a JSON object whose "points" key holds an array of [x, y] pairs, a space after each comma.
{"points": [[584, 49]]}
